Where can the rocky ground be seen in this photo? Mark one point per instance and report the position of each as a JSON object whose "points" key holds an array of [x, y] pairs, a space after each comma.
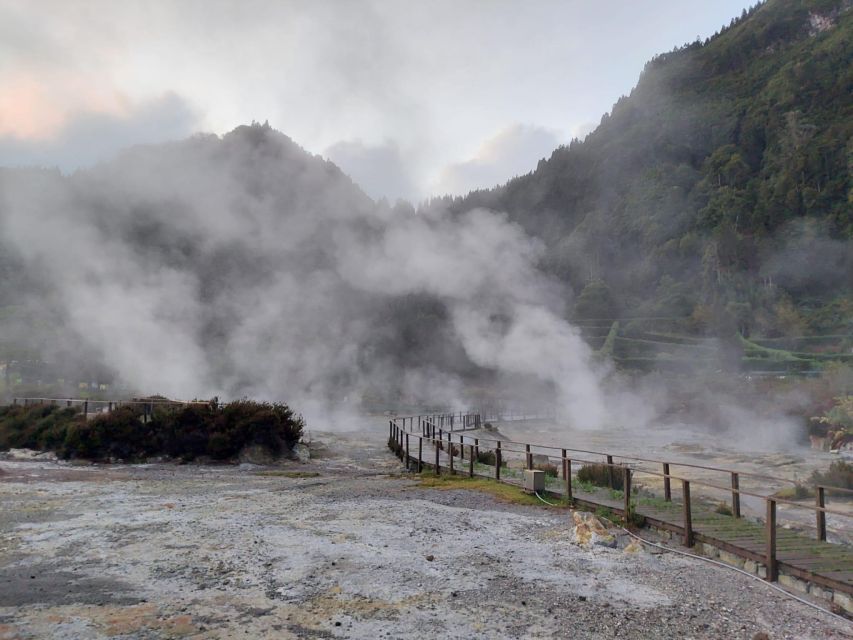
{"points": [[357, 551]]}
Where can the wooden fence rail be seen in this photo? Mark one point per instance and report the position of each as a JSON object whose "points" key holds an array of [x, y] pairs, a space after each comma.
{"points": [[829, 565]]}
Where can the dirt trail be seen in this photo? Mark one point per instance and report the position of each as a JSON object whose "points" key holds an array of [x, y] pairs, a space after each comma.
{"points": [[167, 551]]}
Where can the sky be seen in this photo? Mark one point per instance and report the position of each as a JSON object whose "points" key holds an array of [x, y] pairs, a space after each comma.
{"points": [[410, 99]]}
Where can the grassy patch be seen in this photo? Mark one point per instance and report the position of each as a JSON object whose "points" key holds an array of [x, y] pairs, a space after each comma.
{"points": [[723, 509], [503, 492], [550, 470], [839, 474], [488, 457], [654, 501], [794, 492], [601, 475]]}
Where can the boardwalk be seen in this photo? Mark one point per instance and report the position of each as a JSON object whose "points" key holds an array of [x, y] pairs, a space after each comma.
{"points": [[762, 547]]}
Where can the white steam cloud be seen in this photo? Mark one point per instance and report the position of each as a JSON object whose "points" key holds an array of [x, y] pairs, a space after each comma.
{"points": [[242, 265]]}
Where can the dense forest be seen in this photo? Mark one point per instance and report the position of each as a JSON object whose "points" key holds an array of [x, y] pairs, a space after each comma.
{"points": [[718, 191]]}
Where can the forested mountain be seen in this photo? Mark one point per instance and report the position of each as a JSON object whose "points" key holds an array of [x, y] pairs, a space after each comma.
{"points": [[719, 190], [713, 204]]}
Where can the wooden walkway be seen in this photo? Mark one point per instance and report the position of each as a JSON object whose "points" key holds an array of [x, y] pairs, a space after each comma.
{"points": [[767, 548]]}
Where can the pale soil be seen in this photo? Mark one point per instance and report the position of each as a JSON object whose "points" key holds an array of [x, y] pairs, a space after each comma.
{"points": [[166, 551], [694, 446]]}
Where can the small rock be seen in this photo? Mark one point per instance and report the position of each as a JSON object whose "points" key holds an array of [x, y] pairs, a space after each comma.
{"points": [[302, 452], [430, 558], [605, 540], [633, 547]]}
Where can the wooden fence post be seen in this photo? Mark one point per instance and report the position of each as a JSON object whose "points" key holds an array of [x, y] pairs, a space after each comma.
{"points": [[450, 451], [820, 516], [86, 408], [476, 447], [528, 456], [471, 461], [420, 454], [498, 461], [407, 452], [610, 471], [688, 523], [770, 535], [735, 495], [461, 447], [627, 488], [567, 467], [436, 457], [667, 489]]}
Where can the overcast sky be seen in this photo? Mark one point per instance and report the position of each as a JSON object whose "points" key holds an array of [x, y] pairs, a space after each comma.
{"points": [[410, 98]]}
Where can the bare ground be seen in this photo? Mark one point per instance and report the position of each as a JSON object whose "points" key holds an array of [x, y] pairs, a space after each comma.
{"points": [[360, 551]]}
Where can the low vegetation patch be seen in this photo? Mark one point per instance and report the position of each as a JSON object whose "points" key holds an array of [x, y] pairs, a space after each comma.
{"points": [[600, 475], [448, 447], [549, 469], [488, 457], [839, 474], [723, 509], [212, 430], [796, 491], [499, 490], [40, 427]]}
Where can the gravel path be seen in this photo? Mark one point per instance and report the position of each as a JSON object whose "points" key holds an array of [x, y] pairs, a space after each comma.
{"points": [[360, 551]]}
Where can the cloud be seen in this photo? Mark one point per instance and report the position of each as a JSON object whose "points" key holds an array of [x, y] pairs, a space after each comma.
{"points": [[378, 169], [89, 137], [513, 151]]}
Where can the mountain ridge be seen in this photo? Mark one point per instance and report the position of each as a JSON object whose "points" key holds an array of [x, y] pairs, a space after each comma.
{"points": [[727, 153]]}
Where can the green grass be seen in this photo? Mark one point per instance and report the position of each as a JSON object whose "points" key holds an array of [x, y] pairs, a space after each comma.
{"points": [[794, 492], [499, 490]]}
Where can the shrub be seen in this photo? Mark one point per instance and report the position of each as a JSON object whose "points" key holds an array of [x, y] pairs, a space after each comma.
{"points": [[41, 427], [489, 457], [186, 432], [548, 468], [724, 509], [635, 519], [795, 491], [839, 474], [453, 448], [599, 475], [605, 513]]}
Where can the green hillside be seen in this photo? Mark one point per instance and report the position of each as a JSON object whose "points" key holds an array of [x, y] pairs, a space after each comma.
{"points": [[717, 195]]}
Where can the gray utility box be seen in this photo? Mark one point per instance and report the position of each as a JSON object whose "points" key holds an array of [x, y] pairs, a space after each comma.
{"points": [[534, 481]]}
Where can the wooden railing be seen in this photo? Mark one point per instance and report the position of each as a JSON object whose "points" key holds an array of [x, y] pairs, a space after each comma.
{"points": [[444, 439]]}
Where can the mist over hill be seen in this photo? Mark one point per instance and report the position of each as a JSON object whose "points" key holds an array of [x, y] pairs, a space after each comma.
{"points": [[719, 190], [716, 196], [246, 266]]}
